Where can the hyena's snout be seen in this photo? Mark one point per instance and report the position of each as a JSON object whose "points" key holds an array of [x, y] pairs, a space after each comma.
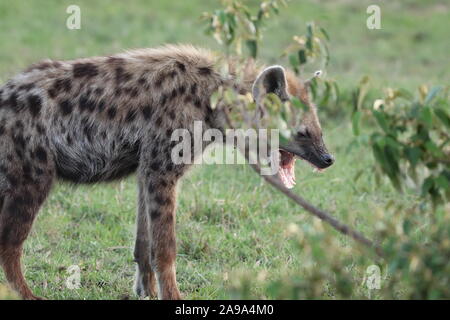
{"points": [[315, 154], [327, 160], [319, 158]]}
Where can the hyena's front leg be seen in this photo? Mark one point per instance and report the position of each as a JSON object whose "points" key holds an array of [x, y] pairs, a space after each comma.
{"points": [[160, 194], [145, 284]]}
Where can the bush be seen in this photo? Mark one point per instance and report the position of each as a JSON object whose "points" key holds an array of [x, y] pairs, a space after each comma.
{"points": [[411, 142], [415, 263]]}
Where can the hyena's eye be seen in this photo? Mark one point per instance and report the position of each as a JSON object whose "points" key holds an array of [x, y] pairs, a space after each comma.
{"points": [[303, 134]]}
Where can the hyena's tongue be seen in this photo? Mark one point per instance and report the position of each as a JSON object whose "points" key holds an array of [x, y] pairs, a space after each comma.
{"points": [[287, 169]]}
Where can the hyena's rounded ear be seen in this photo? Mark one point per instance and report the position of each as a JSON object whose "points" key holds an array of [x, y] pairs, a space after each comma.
{"points": [[270, 80]]}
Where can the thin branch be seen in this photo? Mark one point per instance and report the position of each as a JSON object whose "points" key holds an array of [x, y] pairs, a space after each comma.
{"points": [[339, 226]]}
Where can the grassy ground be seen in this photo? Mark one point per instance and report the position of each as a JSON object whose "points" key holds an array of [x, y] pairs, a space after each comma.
{"points": [[228, 220]]}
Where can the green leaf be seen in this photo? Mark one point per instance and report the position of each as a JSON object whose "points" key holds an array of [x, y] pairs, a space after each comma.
{"points": [[284, 114], [378, 154], [309, 37], [222, 16], [299, 104], [386, 158], [326, 53], [407, 226], [326, 94], [252, 47], [293, 60], [426, 116], [427, 185], [275, 9], [302, 56], [313, 87], [283, 140], [325, 33], [442, 116], [433, 148], [356, 117], [393, 143], [433, 92], [413, 155], [392, 160], [414, 110], [381, 120], [405, 94], [441, 181], [231, 19], [336, 92], [362, 90], [273, 103]]}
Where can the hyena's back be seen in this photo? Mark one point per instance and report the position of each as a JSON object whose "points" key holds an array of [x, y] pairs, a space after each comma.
{"points": [[87, 120]]}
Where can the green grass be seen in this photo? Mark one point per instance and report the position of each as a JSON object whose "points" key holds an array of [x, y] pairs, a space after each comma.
{"points": [[411, 48], [227, 219]]}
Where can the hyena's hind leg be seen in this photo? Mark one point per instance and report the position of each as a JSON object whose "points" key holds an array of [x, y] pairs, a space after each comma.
{"points": [[145, 283], [29, 184]]}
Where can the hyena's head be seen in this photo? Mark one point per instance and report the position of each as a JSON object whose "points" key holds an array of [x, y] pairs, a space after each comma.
{"points": [[307, 141]]}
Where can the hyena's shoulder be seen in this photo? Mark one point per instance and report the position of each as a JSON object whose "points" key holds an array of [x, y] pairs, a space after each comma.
{"points": [[120, 87]]}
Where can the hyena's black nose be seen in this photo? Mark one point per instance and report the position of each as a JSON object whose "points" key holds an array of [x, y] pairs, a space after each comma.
{"points": [[328, 159]]}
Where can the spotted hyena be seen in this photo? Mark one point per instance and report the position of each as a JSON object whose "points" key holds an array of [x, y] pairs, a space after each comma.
{"points": [[103, 118]]}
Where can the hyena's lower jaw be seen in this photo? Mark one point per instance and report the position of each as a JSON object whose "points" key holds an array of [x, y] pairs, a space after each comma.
{"points": [[286, 171]]}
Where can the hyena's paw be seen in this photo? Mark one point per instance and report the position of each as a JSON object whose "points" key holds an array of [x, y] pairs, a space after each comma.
{"points": [[173, 295], [145, 285]]}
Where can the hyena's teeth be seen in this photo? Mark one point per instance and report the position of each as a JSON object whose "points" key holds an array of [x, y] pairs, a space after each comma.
{"points": [[286, 175], [282, 175], [292, 174], [291, 183], [286, 178]]}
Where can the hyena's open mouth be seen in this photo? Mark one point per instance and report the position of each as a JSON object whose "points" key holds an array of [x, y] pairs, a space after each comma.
{"points": [[286, 170]]}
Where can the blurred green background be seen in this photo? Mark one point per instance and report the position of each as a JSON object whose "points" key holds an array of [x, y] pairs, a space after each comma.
{"points": [[412, 46]]}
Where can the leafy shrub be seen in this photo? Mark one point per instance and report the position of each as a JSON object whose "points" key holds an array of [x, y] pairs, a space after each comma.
{"points": [[411, 140], [312, 49], [415, 263], [418, 259], [235, 24]]}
